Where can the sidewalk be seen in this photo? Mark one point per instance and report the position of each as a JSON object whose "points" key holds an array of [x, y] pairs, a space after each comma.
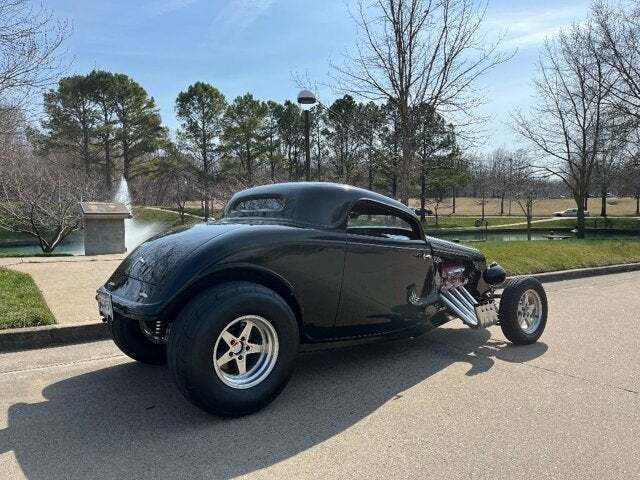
{"points": [[68, 284]]}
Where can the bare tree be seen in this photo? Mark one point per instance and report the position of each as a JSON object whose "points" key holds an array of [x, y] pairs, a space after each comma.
{"points": [[526, 187], [437, 202], [499, 165], [631, 167], [174, 179], [30, 49], [615, 136], [565, 124], [515, 159], [633, 182], [480, 174], [414, 52], [182, 189], [39, 197], [618, 28]]}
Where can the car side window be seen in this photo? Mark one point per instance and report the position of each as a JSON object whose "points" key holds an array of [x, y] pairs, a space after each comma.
{"points": [[370, 219]]}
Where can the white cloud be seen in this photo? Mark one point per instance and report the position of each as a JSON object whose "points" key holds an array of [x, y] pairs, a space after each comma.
{"points": [[532, 38], [237, 15], [529, 28], [167, 6]]}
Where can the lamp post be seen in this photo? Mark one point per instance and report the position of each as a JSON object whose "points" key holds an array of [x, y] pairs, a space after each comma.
{"points": [[306, 99], [510, 183]]}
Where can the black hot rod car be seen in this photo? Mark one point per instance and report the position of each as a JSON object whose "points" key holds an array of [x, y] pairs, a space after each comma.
{"points": [[229, 303]]}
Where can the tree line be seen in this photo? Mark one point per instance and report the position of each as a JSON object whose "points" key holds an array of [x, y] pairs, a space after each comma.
{"points": [[401, 126], [106, 125], [584, 123], [399, 138]]}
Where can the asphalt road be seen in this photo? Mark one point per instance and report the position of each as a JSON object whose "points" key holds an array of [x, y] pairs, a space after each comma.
{"points": [[456, 403]]}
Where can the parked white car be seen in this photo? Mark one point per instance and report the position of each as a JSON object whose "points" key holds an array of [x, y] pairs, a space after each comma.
{"points": [[569, 212]]}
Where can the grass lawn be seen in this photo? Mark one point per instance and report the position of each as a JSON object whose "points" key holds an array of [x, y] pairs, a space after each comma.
{"points": [[168, 219], [214, 212], [21, 303], [549, 255], [20, 254]]}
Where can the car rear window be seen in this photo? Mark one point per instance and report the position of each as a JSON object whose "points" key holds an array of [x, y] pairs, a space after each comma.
{"points": [[262, 206]]}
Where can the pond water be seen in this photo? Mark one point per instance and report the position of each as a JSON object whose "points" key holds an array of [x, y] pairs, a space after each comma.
{"points": [[510, 236], [135, 233], [491, 236]]}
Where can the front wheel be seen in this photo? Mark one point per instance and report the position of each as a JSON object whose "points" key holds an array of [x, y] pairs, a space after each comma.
{"points": [[523, 310], [233, 348]]}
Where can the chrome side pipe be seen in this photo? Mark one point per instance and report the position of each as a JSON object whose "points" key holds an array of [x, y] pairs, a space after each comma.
{"points": [[469, 297], [462, 303]]}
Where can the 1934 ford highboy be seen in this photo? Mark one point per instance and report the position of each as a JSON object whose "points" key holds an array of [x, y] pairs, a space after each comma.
{"points": [[227, 304]]}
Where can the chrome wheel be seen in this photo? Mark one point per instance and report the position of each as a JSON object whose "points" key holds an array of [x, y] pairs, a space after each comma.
{"points": [[246, 351], [529, 311]]}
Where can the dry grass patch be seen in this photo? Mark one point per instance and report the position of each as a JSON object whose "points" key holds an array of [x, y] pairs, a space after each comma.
{"points": [[543, 208]]}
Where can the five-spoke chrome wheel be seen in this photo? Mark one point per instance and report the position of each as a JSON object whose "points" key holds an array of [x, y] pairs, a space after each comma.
{"points": [[246, 351], [529, 311]]}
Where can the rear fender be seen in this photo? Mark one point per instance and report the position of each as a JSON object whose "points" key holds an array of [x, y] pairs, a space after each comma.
{"points": [[233, 273]]}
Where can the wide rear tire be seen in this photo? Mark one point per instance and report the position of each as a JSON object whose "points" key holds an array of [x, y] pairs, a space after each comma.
{"points": [[128, 336], [201, 338]]}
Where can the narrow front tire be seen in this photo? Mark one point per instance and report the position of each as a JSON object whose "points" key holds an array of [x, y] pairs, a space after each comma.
{"points": [[523, 310]]}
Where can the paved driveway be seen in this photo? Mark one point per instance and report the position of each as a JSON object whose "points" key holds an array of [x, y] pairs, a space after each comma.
{"points": [[454, 404]]}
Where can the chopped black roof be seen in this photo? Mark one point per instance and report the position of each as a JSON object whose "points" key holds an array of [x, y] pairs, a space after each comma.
{"points": [[317, 203]]}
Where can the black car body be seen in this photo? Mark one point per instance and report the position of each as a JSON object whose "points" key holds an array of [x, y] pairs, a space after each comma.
{"points": [[341, 283], [351, 264]]}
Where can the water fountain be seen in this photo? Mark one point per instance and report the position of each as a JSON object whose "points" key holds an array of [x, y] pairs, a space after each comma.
{"points": [[109, 227], [122, 194], [135, 231]]}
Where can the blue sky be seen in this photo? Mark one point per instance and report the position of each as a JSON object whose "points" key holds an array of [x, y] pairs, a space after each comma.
{"points": [[257, 46]]}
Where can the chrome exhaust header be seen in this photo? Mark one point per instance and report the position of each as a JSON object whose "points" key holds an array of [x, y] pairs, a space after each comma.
{"points": [[462, 303], [473, 313]]}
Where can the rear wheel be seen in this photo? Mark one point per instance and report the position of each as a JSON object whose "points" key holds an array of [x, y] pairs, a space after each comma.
{"points": [[523, 310], [233, 348], [130, 337]]}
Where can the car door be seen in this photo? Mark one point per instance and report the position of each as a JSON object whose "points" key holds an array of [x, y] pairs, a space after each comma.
{"points": [[387, 263]]}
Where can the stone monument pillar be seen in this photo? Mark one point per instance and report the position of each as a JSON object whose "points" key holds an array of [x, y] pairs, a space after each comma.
{"points": [[104, 227]]}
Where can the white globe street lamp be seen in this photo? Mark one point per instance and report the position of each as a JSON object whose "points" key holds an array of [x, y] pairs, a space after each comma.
{"points": [[307, 99]]}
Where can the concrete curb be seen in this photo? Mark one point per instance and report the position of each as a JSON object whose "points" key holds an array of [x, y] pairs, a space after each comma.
{"points": [[16, 339], [54, 335], [573, 274]]}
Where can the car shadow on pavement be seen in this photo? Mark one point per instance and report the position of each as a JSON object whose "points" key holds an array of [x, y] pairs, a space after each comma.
{"points": [[129, 421]]}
